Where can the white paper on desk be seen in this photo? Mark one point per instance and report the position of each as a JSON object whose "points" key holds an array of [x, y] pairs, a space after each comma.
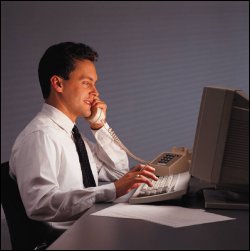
{"points": [[173, 216]]}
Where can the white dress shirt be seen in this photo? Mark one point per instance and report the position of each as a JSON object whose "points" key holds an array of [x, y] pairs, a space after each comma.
{"points": [[45, 163]]}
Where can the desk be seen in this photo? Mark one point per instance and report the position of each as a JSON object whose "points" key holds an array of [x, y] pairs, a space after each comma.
{"points": [[95, 232]]}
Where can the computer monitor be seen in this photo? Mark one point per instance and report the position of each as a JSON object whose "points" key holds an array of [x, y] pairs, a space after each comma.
{"points": [[221, 147]]}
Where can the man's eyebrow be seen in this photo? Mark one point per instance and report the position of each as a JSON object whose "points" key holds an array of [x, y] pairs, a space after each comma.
{"points": [[89, 78]]}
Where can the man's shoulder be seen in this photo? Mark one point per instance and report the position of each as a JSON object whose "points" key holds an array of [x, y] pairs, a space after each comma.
{"points": [[39, 125]]}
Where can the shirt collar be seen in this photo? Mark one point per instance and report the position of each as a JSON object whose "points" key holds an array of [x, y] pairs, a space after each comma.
{"points": [[58, 117]]}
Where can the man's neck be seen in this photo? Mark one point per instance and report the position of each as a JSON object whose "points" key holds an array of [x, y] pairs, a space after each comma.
{"points": [[61, 107]]}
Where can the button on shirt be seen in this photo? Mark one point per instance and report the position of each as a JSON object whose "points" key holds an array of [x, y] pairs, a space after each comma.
{"points": [[45, 163]]}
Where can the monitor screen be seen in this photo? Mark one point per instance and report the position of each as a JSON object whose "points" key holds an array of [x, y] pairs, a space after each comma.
{"points": [[221, 146]]}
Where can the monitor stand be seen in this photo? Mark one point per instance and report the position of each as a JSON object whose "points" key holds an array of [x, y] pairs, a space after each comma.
{"points": [[224, 199]]}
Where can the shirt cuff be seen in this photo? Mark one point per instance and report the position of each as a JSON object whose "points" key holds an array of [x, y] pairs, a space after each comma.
{"points": [[106, 193], [102, 133]]}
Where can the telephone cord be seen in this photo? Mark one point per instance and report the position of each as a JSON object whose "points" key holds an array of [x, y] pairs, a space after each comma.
{"points": [[122, 146]]}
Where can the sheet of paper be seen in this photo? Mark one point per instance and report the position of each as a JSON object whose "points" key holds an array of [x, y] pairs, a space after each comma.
{"points": [[173, 216]]}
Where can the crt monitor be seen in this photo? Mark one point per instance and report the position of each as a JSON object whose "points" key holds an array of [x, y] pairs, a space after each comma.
{"points": [[221, 147]]}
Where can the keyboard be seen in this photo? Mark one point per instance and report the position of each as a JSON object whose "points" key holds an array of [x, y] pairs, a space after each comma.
{"points": [[165, 188]]}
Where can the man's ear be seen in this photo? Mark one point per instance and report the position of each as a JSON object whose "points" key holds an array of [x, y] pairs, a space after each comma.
{"points": [[56, 83]]}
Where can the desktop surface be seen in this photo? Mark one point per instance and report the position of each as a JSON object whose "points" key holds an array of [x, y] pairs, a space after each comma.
{"points": [[95, 232]]}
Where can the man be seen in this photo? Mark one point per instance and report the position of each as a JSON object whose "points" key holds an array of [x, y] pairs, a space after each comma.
{"points": [[46, 158]]}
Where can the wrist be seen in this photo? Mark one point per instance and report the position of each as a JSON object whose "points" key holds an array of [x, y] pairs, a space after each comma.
{"points": [[96, 127], [99, 126]]}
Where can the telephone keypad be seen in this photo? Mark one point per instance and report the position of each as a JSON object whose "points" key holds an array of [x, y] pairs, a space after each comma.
{"points": [[167, 157]]}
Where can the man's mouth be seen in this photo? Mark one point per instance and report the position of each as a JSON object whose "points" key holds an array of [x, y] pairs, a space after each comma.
{"points": [[88, 102]]}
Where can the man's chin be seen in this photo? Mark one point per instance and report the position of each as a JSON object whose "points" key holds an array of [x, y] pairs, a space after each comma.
{"points": [[86, 115]]}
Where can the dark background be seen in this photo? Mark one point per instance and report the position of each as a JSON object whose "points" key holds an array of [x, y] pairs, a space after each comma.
{"points": [[155, 59]]}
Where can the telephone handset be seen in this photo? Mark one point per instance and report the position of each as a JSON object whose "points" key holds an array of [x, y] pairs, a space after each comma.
{"points": [[176, 161], [97, 117]]}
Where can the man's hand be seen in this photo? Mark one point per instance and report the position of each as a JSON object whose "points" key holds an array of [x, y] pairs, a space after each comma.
{"points": [[97, 103], [139, 174]]}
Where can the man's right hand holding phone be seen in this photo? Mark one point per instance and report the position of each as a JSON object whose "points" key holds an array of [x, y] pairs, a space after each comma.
{"points": [[98, 114]]}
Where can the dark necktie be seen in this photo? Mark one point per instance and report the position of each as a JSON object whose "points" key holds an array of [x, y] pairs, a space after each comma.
{"points": [[88, 178]]}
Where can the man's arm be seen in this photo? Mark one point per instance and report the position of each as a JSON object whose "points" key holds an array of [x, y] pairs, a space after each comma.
{"points": [[111, 161]]}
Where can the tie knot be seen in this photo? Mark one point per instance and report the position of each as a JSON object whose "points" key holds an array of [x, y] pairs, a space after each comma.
{"points": [[75, 130]]}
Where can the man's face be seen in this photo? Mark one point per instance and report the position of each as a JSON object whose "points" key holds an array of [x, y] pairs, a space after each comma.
{"points": [[79, 90]]}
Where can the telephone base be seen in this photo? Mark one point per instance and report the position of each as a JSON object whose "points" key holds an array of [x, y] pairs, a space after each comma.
{"points": [[174, 162]]}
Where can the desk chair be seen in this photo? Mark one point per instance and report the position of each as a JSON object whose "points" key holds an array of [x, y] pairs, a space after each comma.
{"points": [[25, 234]]}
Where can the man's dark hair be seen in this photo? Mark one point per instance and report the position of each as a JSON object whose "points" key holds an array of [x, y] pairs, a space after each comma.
{"points": [[59, 59]]}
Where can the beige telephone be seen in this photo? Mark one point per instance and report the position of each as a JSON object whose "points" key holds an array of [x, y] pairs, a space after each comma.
{"points": [[97, 117], [176, 161]]}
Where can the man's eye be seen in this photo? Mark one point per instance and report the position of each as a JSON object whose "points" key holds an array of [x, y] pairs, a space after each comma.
{"points": [[85, 84]]}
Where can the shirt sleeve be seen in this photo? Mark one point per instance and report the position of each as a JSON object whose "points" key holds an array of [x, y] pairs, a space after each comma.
{"points": [[35, 163], [111, 161]]}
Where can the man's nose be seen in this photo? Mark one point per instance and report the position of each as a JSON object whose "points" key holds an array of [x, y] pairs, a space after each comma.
{"points": [[95, 91]]}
